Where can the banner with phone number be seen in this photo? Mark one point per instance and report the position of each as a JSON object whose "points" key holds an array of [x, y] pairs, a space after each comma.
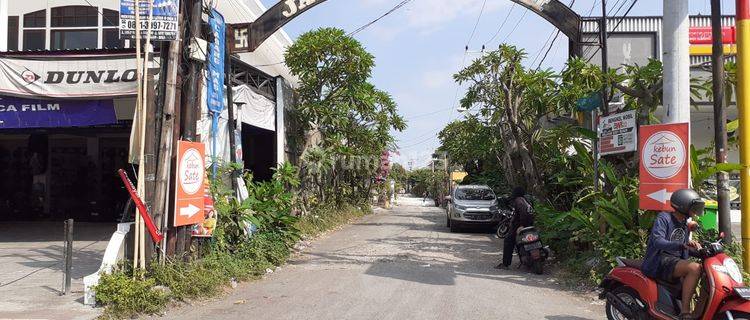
{"points": [[164, 20]]}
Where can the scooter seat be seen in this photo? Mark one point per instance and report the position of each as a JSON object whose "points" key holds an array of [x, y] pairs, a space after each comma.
{"points": [[633, 263]]}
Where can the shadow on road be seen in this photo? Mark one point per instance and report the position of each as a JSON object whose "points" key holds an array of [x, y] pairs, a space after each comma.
{"points": [[426, 252]]}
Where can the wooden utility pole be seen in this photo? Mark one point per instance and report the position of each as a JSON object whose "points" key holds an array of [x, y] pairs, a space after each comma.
{"points": [[162, 197], [190, 108], [720, 120]]}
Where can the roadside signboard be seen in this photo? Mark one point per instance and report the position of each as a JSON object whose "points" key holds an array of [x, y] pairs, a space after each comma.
{"points": [[190, 183], [704, 35], [618, 133], [664, 164], [164, 23]]}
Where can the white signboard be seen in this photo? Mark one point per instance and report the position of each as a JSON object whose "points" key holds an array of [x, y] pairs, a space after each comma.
{"points": [[617, 133], [70, 76]]}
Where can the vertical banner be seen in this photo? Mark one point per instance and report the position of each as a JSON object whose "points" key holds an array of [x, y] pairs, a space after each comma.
{"points": [[190, 187], [164, 25], [215, 83], [665, 164]]}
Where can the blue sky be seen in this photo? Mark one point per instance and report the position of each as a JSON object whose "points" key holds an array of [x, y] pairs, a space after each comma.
{"points": [[420, 47]]}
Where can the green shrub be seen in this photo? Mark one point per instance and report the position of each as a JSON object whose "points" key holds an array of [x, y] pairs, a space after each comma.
{"points": [[128, 296]]}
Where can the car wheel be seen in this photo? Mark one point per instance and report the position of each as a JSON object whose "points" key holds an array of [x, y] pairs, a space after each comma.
{"points": [[454, 227]]}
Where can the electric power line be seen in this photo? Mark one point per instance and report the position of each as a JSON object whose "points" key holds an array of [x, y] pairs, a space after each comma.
{"points": [[557, 34], [102, 14], [394, 9], [515, 27], [501, 25], [479, 18], [632, 5]]}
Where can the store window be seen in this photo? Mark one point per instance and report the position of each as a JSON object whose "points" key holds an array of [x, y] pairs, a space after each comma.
{"points": [[36, 19], [111, 18], [34, 39], [75, 16], [110, 29], [70, 28], [74, 39], [13, 33]]}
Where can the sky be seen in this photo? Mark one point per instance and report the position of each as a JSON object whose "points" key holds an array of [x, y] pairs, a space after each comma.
{"points": [[419, 47]]}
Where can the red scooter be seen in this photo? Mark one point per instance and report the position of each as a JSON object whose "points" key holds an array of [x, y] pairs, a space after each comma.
{"points": [[632, 295]]}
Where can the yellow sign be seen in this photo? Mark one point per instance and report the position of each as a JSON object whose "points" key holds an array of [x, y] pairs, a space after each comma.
{"points": [[458, 176], [706, 50]]}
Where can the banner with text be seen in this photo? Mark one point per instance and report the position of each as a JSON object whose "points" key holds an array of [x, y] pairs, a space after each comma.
{"points": [[164, 21], [664, 165], [69, 76], [35, 113], [617, 133]]}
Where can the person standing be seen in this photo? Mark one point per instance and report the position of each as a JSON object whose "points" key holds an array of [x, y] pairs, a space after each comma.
{"points": [[522, 218]]}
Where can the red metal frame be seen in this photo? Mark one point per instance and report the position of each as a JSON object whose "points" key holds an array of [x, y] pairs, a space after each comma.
{"points": [[156, 236]]}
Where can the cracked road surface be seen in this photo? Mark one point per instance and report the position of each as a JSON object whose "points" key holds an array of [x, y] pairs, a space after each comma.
{"points": [[398, 264]]}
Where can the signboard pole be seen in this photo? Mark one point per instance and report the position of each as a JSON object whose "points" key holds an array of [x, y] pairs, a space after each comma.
{"points": [[743, 103], [138, 114]]}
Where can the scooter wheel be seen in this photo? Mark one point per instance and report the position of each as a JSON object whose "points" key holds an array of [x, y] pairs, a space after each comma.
{"points": [[628, 296], [538, 266], [737, 316]]}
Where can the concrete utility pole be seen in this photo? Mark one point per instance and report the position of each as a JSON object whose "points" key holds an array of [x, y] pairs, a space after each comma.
{"points": [[676, 57], [743, 102], [720, 120]]}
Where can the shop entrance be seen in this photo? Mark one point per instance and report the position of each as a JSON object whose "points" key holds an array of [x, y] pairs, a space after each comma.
{"points": [[53, 175], [259, 151]]}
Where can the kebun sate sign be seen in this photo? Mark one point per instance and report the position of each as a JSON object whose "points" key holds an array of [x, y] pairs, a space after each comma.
{"points": [[664, 164]]}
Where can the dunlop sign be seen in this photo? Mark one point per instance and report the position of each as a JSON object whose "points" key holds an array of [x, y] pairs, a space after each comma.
{"points": [[246, 37]]}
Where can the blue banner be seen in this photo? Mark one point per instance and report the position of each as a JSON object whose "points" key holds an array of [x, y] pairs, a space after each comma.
{"points": [[36, 113], [215, 91], [215, 86]]}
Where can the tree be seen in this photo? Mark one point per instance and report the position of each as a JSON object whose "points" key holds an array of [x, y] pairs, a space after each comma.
{"points": [[511, 100], [352, 117]]}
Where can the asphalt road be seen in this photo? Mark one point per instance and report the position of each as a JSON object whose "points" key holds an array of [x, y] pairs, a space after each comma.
{"points": [[399, 264]]}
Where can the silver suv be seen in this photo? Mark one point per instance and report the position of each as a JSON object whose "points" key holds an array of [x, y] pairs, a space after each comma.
{"points": [[472, 205]]}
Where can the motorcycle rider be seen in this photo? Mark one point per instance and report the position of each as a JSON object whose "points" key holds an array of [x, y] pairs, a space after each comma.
{"points": [[522, 218], [669, 246]]}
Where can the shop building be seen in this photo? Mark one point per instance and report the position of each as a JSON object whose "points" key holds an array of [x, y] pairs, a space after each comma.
{"points": [[67, 99], [635, 40]]}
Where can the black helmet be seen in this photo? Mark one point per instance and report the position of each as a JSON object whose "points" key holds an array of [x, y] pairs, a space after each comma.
{"points": [[686, 201]]}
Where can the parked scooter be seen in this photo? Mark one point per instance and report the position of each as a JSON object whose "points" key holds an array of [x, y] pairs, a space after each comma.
{"points": [[630, 294], [530, 249], [503, 227]]}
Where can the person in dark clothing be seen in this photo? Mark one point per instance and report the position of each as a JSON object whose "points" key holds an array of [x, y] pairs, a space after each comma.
{"points": [[522, 217], [669, 246]]}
